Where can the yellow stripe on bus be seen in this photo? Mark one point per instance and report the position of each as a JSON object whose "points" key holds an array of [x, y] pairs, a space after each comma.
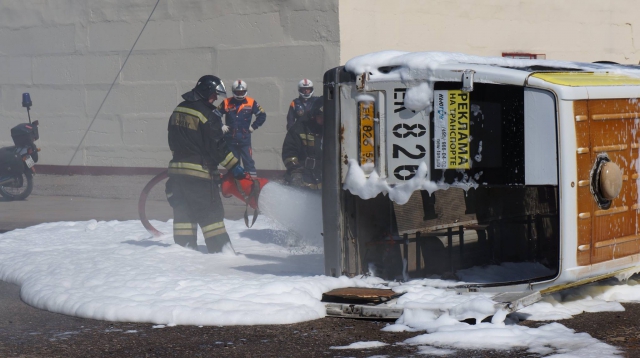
{"points": [[583, 79]]}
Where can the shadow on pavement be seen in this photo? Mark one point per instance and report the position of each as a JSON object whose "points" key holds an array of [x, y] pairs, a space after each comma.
{"points": [[294, 265], [145, 243]]}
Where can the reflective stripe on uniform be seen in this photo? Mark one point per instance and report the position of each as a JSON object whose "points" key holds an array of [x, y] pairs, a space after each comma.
{"points": [[213, 226], [214, 229], [196, 170], [311, 140], [230, 161], [190, 166], [184, 229], [193, 173], [308, 139], [192, 112], [215, 232], [291, 159]]}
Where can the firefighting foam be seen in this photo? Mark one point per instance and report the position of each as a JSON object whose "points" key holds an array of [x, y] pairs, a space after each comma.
{"points": [[298, 210]]}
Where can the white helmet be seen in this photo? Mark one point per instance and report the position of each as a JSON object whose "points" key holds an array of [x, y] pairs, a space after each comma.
{"points": [[239, 89], [305, 88]]}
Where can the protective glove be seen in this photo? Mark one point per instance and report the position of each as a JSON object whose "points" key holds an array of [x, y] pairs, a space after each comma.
{"points": [[251, 129], [238, 172], [225, 128]]}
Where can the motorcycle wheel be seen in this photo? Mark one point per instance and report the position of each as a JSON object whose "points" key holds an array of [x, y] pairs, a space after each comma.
{"points": [[20, 189]]}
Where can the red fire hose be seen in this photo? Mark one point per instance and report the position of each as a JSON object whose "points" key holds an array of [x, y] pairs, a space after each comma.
{"points": [[143, 201]]}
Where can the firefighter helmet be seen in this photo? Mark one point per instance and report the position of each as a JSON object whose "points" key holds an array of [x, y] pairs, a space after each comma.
{"points": [[305, 88], [206, 86], [239, 89]]}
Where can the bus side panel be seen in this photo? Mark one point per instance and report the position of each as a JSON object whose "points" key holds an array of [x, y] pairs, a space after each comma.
{"points": [[613, 130]]}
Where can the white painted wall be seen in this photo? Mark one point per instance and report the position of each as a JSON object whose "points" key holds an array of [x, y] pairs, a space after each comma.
{"points": [[66, 53], [580, 30]]}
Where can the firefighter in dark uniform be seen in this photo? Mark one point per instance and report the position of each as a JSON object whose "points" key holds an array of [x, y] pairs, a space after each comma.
{"points": [[237, 127], [300, 107], [302, 150], [197, 144]]}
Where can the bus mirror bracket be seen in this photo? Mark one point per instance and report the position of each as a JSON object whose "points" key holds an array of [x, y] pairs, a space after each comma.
{"points": [[467, 80]]}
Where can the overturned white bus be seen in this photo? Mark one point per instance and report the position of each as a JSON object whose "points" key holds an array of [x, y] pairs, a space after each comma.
{"points": [[439, 163]]}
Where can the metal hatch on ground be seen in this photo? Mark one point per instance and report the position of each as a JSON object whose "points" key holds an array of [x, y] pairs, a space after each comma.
{"points": [[376, 303]]}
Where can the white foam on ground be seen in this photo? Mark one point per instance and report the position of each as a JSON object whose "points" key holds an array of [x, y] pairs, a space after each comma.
{"points": [[362, 345], [433, 351], [552, 338], [115, 271], [604, 296]]}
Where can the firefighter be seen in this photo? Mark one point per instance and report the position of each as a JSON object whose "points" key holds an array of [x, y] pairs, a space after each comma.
{"points": [[198, 146], [237, 126], [300, 107], [302, 150]]}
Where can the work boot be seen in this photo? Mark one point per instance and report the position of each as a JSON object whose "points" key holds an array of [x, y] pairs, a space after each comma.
{"points": [[190, 243], [216, 243]]}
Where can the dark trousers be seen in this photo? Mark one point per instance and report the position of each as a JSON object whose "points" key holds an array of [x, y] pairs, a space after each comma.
{"points": [[196, 202], [244, 152]]}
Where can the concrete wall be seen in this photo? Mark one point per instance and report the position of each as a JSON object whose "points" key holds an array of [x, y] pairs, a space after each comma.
{"points": [[581, 30], [66, 53]]}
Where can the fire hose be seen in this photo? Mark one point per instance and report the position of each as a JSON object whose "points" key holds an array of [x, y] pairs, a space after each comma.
{"points": [[142, 201]]}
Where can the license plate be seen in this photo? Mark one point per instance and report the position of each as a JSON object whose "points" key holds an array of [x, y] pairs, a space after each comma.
{"points": [[367, 138], [29, 161]]}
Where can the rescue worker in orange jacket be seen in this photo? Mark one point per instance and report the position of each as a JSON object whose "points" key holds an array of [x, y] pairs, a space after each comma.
{"points": [[237, 127], [300, 107], [302, 150], [198, 147]]}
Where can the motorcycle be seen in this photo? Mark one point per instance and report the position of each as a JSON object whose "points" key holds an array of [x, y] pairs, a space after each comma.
{"points": [[17, 163]]}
